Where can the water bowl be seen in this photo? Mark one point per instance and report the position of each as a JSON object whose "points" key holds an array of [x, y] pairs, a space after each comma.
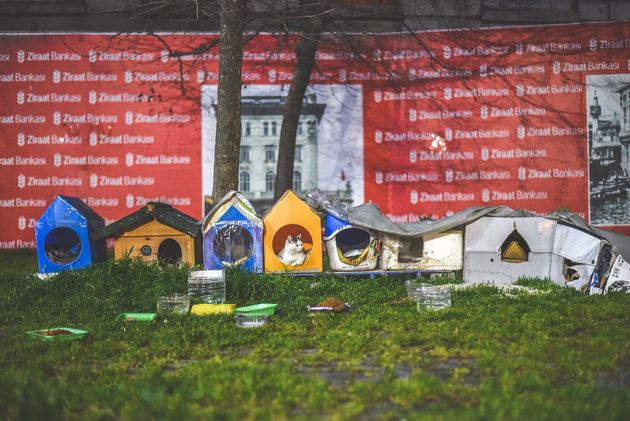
{"points": [[173, 304]]}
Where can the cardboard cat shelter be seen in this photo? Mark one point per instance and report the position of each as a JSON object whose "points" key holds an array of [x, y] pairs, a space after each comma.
{"points": [[232, 235], [350, 248], [439, 251], [156, 232], [65, 236], [292, 239]]}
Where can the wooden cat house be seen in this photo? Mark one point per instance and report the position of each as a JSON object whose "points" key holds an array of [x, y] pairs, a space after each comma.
{"points": [[232, 235], [350, 248], [156, 232], [292, 239], [65, 236]]}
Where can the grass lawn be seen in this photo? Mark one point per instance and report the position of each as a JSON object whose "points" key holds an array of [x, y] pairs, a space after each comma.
{"points": [[553, 355]]}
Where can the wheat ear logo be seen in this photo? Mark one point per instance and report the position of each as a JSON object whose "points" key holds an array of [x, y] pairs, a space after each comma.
{"points": [[485, 154], [21, 56], [378, 136], [21, 139], [413, 197], [20, 97]]}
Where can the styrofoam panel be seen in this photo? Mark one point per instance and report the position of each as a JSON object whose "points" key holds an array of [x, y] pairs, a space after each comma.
{"points": [[443, 251], [486, 266], [487, 234], [576, 245]]}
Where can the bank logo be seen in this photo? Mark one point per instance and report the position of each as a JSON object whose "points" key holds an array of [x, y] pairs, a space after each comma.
{"points": [[378, 177], [343, 75], [520, 90], [378, 96], [556, 67], [378, 136], [128, 76], [130, 200], [164, 55], [92, 56], [412, 74], [21, 139], [448, 93], [413, 115], [56, 118], [271, 75], [520, 132], [57, 160], [522, 173], [128, 118], [20, 97], [592, 44], [413, 156], [21, 181], [93, 180], [56, 76], [483, 71], [21, 56], [446, 52], [485, 195], [21, 223], [483, 112], [448, 134], [518, 48], [92, 97], [201, 76], [485, 154], [629, 64], [93, 139], [448, 176], [413, 197], [129, 159]]}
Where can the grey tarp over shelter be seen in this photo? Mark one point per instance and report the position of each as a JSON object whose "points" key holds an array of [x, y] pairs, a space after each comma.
{"points": [[369, 216]]}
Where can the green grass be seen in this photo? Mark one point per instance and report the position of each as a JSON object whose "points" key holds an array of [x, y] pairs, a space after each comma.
{"points": [[554, 355]]}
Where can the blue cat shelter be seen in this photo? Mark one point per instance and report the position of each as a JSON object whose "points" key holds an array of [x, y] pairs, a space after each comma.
{"points": [[349, 248], [63, 236], [232, 235]]}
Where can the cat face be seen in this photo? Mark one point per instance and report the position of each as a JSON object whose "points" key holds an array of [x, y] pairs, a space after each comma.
{"points": [[294, 243]]}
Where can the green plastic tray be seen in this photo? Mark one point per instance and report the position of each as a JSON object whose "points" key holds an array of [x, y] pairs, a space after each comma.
{"points": [[257, 309], [138, 317], [41, 334]]}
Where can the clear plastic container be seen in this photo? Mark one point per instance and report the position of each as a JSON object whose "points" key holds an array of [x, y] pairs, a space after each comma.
{"points": [[412, 285], [432, 298], [207, 285], [248, 320], [173, 304]]}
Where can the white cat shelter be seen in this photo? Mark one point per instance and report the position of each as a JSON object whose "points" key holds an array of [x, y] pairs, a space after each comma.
{"points": [[437, 251], [503, 249]]}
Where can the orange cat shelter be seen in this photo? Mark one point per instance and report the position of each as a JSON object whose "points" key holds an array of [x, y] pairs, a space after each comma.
{"points": [[156, 232], [293, 237]]}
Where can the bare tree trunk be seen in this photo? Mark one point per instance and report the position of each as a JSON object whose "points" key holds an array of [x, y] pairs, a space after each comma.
{"points": [[228, 137], [305, 53]]}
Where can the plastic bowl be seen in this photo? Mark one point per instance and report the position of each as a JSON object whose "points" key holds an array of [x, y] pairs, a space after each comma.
{"points": [[251, 320], [258, 309], [209, 309], [55, 334]]}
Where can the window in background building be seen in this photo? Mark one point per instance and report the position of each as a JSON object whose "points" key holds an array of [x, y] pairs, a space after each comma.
{"points": [[243, 182], [298, 153], [270, 179], [265, 128], [248, 128], [300, 130], [297, 181], [274, 128], [270, 153], [244, 156]]}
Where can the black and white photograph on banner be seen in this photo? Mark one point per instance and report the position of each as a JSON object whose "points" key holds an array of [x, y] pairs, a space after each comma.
{"points": [[608, 122], [329, 142]]}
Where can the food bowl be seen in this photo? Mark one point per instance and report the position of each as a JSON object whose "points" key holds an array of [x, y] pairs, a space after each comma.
{"points": [[209, 309], [137, 317], [173, 304], [257, 309], [251, 320], [58, 334]]}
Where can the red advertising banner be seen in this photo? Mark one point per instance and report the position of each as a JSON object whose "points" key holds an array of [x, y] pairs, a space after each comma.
{"points": [[422, 124]]}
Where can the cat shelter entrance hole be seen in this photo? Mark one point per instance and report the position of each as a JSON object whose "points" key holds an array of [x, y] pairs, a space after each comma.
{"points": [[515, 249], [233, 244], [280, 237], [62, 246], [410, 250], [169, 252], [352, 242]]}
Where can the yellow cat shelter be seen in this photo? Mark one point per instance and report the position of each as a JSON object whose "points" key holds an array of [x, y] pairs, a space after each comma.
{"points": [[293, 236]]}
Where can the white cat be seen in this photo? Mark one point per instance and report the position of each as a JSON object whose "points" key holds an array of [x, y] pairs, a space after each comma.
{"points": [[293, 253]]}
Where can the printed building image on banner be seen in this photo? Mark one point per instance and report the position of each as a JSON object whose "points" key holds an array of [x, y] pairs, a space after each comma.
{"points": [[608, 116], [329, 142]]}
